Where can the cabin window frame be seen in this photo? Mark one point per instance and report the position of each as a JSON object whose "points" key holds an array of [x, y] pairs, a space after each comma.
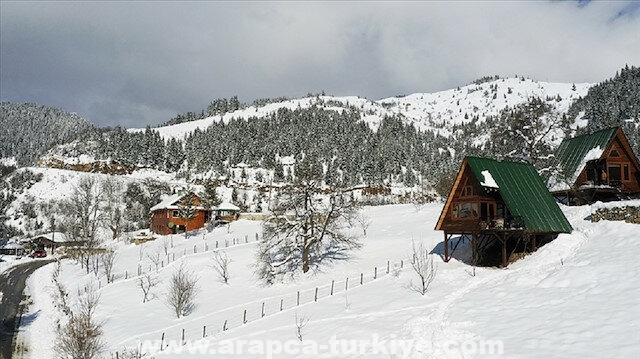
{"points": [[175, 213], [473, 208]]}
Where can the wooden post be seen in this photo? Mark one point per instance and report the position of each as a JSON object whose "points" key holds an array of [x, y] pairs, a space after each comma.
{"points": [[504, 252], [474, 250], [224, 326], [244, 317], [281, 304], [246, 238], [126, 275], [204, 331], [194, 248], [332, 283], [216, 244], [183, 336], [298, 301], [375, 273], [346, 284], [401, 263], [387, 267], [446, 247], [162, 341], [257, 237], [361, 278], [315, 298], [262, 316]]}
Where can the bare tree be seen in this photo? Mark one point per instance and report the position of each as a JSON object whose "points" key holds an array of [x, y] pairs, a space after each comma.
{"points": [[301, 322], [422, 264], [81, 337], [364, 222], [306, 227], [83, 216], [112, 190], [155, 258], [108, 260], [166, 243], [221, 265], [182, 291], [145, 283]]}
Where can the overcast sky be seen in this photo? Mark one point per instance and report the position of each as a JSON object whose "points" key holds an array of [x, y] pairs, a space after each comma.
{"points": [[140, 63]]}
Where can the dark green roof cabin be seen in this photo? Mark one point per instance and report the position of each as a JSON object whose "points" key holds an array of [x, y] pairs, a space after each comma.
{"points": [[596, 166], [500, 200]]}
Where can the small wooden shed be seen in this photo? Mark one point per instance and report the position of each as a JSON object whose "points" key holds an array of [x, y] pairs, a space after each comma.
{"points": [[499, 203], [227, 212], [600, 166]]}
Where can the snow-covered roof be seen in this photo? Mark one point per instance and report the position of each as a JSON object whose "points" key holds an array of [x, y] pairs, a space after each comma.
{"points": [[226, 206], [167, 203], [12, 245], [488, 180], [57, 237]]}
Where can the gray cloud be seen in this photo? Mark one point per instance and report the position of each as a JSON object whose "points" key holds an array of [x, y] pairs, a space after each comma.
{"points": [[139, 63]]}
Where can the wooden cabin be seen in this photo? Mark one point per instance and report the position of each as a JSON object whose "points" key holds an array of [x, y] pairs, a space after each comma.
{"points": [[166, 217], [499, 203], [595, 167]]}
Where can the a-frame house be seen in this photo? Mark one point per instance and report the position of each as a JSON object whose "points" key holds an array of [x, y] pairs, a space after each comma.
{"points": [[499, 203], [595, 167]]}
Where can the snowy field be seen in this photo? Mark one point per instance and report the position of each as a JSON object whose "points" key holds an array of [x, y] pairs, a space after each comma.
{"points": [[575, 297]]}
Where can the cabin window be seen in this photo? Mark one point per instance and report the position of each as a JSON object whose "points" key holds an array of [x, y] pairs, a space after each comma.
{"points": [[614, 153], [625, 172], [468, 191], [465, 210], [175, 214], [501, 211], [614, 173]]}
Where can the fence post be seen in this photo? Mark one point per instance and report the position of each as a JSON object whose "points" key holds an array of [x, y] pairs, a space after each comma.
{"points": [[182, 336], [375, 273], [332, 283], [204, 331], [346, 284], [194, 248], [224, 326], [162, 341], [401, 263], [361, 278], [244, 317], [126, 275], [262, 316], [281, 303], [387, 267], [298, 301]]}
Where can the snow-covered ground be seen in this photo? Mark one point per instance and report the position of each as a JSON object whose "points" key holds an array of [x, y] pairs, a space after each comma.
{"points": [[574, 297]]}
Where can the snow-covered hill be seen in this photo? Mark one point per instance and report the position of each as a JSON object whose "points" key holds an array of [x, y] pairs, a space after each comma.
{"points": [[574, 297], [435, 111]]}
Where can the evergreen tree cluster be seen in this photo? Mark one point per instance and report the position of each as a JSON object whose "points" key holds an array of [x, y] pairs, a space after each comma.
{"points": [[29, 130], [614, 102]]}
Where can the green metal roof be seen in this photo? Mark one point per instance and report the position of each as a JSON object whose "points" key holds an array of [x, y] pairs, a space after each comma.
{"points": [[571, 153], [524, 193]]}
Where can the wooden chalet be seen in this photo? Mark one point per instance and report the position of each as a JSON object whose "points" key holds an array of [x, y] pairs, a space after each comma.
{"points": [[499, 206], [166, 219], [595, 167]]}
